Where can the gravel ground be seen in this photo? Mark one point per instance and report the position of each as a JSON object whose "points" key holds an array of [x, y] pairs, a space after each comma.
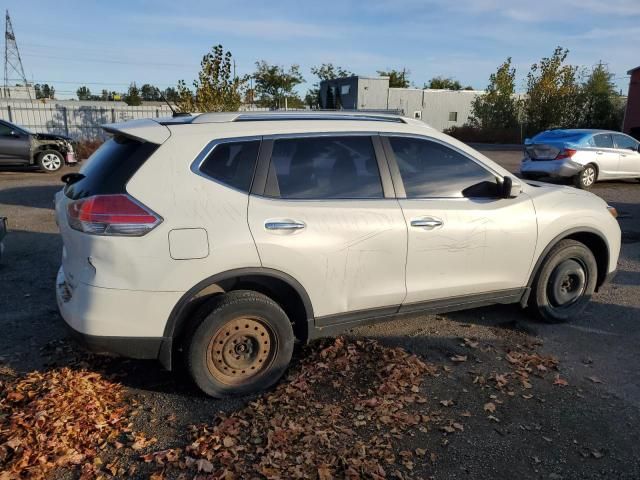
{"points": [[587, 429]]}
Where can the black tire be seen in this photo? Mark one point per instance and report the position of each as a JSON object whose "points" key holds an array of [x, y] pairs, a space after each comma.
{"points": [[565, 282], [50, 161], [586, 178], [243, 345]]}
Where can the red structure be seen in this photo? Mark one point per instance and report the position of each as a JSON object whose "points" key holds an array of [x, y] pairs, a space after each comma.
{"points": [[632, 115]]}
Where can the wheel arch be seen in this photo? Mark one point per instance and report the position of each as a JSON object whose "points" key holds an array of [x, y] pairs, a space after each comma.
{"points": [[279, 286], [593, 239]]}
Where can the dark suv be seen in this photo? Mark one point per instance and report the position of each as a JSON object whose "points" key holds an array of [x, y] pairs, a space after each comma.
{"points": [[19, 146]]}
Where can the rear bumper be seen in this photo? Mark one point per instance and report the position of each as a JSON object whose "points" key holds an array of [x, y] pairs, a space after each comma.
{"points": [[550, 168], [123, 322]]}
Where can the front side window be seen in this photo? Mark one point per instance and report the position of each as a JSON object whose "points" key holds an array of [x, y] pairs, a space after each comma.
{"points": [[5, 130], [232, 163], [317, 168], [603, 141], [432, 170], [625, 142]]}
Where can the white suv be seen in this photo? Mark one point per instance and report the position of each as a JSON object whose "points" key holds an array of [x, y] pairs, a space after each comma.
{"points": [[225, 238]]}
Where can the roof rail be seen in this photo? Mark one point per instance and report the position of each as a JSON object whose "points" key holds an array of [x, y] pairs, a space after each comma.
{"points": [[295, 116]]}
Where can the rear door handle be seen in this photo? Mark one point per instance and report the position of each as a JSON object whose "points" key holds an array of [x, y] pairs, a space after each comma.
{"points": [[428, 223], [284, 225], [599, 153]]}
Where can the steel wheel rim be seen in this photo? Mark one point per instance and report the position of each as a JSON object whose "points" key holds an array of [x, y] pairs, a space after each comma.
{"points": [[567, 283], [588, 176], [51, 161], [240, 350]]}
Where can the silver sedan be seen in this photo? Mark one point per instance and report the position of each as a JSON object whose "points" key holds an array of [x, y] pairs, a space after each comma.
{"points": [[585, 156]]}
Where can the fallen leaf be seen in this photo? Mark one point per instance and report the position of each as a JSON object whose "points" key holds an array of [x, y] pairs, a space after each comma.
{"points": [[560, 381], [490, 407], [595, 379], [459, 358]]}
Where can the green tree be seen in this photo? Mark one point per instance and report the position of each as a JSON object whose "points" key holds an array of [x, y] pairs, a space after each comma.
{"points": [[44, 91], [498, 107], [326, 71], [397, 78], [601, 106], [446, 83], [83, 93], [171, 94], [132, 98], [149, 93], [274, 84], [217, 88], [552, 93]]}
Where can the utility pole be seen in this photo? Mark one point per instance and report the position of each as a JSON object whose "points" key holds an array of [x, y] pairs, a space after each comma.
{"points": [[12, 60]]}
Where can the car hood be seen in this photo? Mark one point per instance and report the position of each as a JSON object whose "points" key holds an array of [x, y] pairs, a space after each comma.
{"points": [[50, 136]]}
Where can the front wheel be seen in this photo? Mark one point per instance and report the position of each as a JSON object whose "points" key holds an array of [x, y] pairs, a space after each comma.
{"points": [[243, 345], [565, 282], [586, 178], [50, 161]]}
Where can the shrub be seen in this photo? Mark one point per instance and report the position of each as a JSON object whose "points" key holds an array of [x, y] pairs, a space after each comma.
{"points": [[470, 134], [84, 148]]}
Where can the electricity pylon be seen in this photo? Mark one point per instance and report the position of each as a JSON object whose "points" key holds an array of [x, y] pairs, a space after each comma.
{"points": [[12, 60]]}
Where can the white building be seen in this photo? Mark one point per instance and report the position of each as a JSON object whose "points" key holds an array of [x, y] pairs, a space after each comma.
{"points": [[19, 92], [441, 109]]}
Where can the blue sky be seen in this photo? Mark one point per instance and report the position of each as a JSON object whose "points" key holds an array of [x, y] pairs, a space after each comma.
{"points": [[109, 44]]}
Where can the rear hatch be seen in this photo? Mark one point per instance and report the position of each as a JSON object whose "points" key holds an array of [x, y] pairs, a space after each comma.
{"points": [[106, 173]]}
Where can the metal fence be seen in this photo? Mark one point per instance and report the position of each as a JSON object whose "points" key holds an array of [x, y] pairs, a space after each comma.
{"points": [[81, 122]]}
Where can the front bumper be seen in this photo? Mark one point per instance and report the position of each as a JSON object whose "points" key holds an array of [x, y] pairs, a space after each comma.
{"points": [[122, 322], [550, 168]]}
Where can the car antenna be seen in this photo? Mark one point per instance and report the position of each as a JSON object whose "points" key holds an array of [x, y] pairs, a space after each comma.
{"points": [[174, 113]]}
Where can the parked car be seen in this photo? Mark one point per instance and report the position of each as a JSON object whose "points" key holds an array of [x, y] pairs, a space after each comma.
{"points": [[19, 146], [3, 233], [224, 238], [585, 156]]}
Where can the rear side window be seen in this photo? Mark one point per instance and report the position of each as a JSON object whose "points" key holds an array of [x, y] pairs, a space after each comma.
{"points": [[110, 167], [603, 141], [319, 168], [232, 163], [432, 170], [622, 141]]}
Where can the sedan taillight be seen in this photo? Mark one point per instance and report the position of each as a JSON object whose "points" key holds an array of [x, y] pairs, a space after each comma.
{"points": [[119, 215], [566, 153]]}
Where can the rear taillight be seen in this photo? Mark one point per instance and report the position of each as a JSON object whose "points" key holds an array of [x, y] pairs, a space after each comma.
{"points": [[566, 153], [111, 215]]}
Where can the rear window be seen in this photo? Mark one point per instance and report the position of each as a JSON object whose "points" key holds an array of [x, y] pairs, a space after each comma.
{"points": [[110, 167], [232, 163]]}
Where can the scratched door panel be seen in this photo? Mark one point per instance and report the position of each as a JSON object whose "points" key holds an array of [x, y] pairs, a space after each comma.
{"points": [[349, 255], [483, 245]]}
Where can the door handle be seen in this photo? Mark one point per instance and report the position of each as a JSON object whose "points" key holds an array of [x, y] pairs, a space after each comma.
{"points": [[599, 153], [428, 223], [284, 225]]}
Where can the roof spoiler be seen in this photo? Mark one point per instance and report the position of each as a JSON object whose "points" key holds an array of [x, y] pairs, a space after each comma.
{"points": [[144, 129]]}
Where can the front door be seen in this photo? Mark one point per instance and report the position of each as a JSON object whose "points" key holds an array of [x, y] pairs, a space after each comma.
{"points": [[326, 220], [465, 241]]}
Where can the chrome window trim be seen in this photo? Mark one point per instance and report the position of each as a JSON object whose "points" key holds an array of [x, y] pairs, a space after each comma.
{"points": [[196, 164]]}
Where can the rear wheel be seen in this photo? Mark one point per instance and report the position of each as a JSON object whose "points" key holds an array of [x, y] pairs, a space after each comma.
{"points": [[50, 161], [243, 345], [565, 282], [586, 178]]}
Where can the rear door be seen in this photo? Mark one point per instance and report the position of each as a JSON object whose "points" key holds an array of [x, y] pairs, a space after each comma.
{"points": [[465, 241], [15, 145], [606, 157], [629, 165], [327, 216]]}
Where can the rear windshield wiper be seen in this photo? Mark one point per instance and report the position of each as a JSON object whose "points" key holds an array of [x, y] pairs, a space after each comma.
{"points": [[70, 178]]}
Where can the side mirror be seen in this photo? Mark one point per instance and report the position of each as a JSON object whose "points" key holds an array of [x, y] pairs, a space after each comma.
{"points": [[510, 188]]}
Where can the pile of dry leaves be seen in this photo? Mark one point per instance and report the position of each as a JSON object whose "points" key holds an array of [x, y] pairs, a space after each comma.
{"points": [[338, 414], [55, 419]]}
